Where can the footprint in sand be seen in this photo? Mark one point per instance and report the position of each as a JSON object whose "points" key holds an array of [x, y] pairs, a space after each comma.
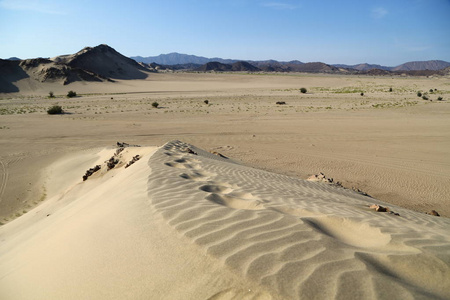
{"points": [[182, 165], [223, 194], [227, 196], [197, 175]]}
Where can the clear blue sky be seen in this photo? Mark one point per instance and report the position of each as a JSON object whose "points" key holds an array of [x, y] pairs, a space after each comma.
{"points": [[387, 32]]}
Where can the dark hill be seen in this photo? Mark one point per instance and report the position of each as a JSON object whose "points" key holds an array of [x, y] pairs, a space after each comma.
{"points": [[244, 66], [10, 72], [316, 67], [214, 66]]}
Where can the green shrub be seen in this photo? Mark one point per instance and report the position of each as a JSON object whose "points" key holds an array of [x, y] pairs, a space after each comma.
{"points": [[390, 89], [206, 101], [71, 94], [155, 104], [362, 94], [440, 98], [431, 91], [424, 97], [303, 90], [419, 94], [55, 110], [51, 95]]}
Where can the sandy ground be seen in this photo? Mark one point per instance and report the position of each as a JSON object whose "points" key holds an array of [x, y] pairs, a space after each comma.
{"points": [[392, 145], [181, 225]]}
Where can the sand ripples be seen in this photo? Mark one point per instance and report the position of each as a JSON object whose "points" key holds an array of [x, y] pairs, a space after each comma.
{"points": [[299, 239]]}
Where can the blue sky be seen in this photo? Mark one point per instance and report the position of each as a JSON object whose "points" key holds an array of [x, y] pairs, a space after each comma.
{"points": [[382, 32]]}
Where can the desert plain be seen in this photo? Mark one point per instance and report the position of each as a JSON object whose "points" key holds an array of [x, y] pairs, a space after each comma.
{"points": [[182, 223]]}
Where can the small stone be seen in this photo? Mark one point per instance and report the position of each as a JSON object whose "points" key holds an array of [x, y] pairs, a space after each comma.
{"points": [[433, 213], [379, 208]]}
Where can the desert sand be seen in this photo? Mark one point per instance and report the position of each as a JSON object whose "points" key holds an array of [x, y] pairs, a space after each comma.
{"points": [[179, 225]]}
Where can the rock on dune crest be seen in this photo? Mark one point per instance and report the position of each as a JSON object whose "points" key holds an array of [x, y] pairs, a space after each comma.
{"points": [[180, 212]]}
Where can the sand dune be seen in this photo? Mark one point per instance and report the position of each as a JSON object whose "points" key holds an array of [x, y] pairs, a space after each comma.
{"points": [[182, 223]]}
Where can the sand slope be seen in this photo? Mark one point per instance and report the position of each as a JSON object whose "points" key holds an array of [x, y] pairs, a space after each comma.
{"points": [[181, 225], [300, 239]]}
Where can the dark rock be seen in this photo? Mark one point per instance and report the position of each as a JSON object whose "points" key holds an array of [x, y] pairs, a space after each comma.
{"points": [[133, 160], [433, 213], [90, 172], [219, 154], [111, 163], [189, 150]]}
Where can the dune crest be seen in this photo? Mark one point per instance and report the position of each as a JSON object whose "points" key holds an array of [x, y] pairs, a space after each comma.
{"points": [[183, 223], [299, 239]]}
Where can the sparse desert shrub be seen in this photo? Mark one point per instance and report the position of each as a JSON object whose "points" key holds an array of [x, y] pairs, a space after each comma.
{"points": [[439, 98], [55, 110], [51, 95], [390, 89], [431, 91], [206, 101], [71, 94], [424, 97], [303, 90], [155, 104], [362, 94], [419, 94], [281, 103]]}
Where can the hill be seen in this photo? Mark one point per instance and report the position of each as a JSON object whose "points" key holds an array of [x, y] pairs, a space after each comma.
{"points": [[40, 70], [422, 65], [105, 61], [316, 67], [214, 66], [244, 66], [97, 64], [363, 67], [240, 66]]}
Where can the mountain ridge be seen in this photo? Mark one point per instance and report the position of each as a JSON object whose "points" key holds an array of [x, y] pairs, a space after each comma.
{"points": [[175, 58], [103, 63]]}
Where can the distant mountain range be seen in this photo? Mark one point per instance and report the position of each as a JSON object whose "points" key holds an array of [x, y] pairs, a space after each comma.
{"points": [[103, 63], [174, 58]]}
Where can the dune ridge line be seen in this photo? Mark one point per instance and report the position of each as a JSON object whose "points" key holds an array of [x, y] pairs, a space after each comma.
{"points": [[299, 238]]}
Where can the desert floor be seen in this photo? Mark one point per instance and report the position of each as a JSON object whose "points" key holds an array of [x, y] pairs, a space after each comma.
{"points": [[394, 145]]}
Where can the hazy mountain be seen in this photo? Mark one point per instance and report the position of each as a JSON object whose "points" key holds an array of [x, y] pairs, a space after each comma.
{"points": [[409, 66], [363, 67], [13, 58], [422, 65], [183, 59], [180, 59], [290, 66]]}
